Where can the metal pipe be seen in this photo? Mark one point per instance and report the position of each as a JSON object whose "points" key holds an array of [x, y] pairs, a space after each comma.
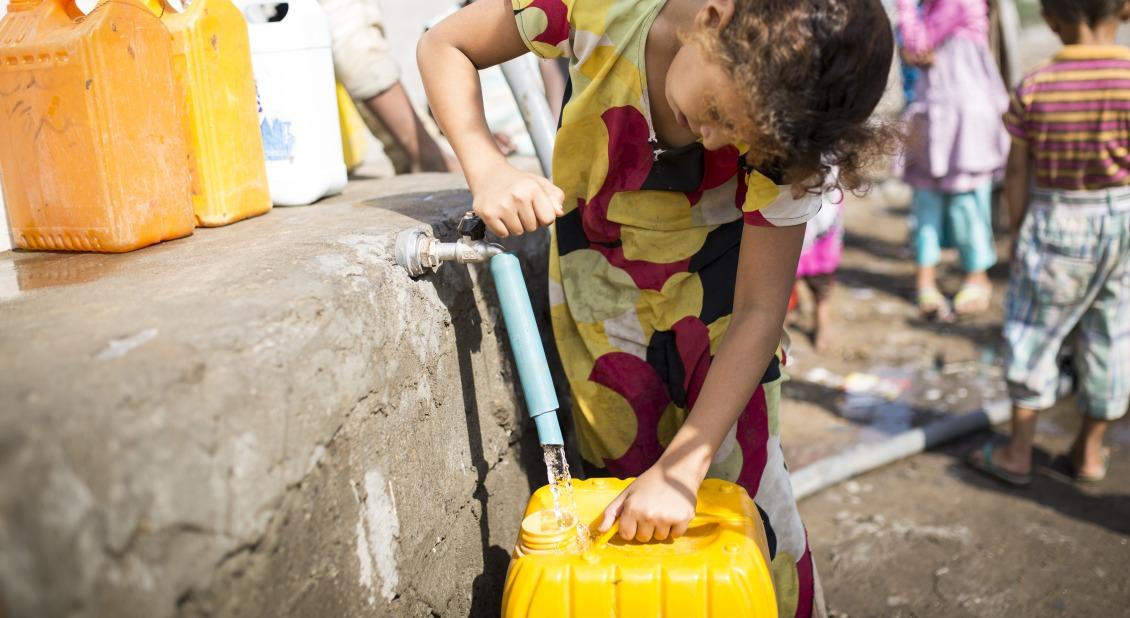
{"points": [[866, 457], [419, 252], [529, 93]]}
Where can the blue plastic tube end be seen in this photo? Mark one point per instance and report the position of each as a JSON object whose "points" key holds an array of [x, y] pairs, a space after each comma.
{"points": [[549, 430]]}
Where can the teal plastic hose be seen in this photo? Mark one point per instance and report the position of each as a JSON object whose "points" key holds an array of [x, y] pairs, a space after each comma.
{"points": [[525, 341]]}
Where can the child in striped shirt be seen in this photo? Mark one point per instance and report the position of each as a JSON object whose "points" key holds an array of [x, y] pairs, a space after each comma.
{"points": [[1070, 281]]}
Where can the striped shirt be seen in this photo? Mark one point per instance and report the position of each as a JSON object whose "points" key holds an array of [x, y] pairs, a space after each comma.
{"points": [[1074, 114]]}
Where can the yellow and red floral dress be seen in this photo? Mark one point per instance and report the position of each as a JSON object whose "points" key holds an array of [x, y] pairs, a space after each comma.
{"points": [[643, 266]]}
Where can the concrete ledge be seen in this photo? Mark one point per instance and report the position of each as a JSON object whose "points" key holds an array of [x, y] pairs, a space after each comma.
{"points": [[266, 419]]}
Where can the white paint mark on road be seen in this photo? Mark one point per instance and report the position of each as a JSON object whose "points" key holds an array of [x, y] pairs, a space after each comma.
{"points": [[120, 347]]}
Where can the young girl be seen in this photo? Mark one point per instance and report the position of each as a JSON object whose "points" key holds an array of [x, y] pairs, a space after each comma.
{"points": [[957, 143], [671, 258]]}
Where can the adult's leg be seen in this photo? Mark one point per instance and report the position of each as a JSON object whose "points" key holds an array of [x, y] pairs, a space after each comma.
{"points": [[394, 110], [364, 64]]}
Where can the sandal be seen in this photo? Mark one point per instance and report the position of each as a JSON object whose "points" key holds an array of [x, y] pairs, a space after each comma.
{"points": [[985, 465], [1065, 465], [972, 298], [931, 302]]}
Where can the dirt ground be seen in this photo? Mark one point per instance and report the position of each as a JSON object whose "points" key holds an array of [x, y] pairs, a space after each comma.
{"points": [[925, 536]]}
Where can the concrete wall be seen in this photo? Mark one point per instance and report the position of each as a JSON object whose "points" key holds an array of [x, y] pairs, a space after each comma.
{"points": [[268, 419]]}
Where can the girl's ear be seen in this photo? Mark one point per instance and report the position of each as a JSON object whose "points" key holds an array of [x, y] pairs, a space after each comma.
{"points": [[714, 14]]}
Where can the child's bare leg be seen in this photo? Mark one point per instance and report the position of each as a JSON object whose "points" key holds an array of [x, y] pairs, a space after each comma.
{"points": [[927, 277], [973, 230], [1087, 452], [1016, 456], [929, 300], [929, 209], [978, 278], [820, 330]]}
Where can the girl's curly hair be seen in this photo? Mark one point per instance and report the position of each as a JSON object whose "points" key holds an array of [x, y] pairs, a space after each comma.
{"points": [[814, 71]]}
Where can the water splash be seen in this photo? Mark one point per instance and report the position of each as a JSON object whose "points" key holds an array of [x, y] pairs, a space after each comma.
{"points": [[564, 502]]}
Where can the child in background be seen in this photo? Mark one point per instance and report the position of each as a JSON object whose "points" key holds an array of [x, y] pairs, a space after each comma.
{"points": [[674, 250], [1070, 123], [819, 259], [956, 144]]}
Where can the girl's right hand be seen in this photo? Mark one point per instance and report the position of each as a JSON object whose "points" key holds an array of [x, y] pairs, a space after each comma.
{"points": [[511, 201]]}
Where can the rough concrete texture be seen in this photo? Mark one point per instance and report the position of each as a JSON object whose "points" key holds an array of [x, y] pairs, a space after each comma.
{"points": [[266, 419]]}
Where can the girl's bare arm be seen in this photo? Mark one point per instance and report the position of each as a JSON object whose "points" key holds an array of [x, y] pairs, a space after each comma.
{"points": [[478, 36], [661, 502]]}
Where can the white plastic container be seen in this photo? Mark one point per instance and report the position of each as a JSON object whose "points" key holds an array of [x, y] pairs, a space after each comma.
{"points": [[298, 117]]}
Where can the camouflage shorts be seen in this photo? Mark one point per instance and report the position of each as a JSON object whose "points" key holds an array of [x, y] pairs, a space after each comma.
{"points": [[1070, 284]]}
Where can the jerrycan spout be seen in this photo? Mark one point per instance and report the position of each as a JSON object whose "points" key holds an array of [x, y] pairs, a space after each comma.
{"points": [[525, 341]]}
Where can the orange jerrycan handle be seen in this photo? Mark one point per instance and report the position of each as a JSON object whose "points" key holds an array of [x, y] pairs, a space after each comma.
{"points": [[159, 7], [70, 7]]}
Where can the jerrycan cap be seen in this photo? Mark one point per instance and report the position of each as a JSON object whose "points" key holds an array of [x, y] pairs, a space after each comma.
{"points": [[542, 533]]}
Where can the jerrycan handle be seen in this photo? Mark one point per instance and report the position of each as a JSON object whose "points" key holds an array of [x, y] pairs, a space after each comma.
{"points": [[72, 10], [700, 519], [255, 11]]}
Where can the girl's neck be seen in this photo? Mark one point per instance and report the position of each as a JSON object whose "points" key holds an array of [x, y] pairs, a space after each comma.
{"points": [[675, 18]]}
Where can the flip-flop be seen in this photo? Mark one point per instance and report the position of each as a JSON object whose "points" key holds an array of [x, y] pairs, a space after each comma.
{"points": [[985, 466], [1064, 464], [972, 298], [931, 302]]}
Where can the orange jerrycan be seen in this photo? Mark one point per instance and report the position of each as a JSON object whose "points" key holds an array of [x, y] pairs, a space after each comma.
{"points": [[92, 147], [719, 569], [212, 56]]}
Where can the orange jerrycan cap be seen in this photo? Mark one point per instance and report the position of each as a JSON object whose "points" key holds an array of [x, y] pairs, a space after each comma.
{"points": [[542, 532]]}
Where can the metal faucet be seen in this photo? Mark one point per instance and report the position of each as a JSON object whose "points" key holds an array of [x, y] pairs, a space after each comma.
{"points": [[418, 250]]}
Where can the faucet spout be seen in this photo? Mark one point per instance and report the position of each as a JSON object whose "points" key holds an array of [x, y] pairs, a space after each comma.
{"points": [[418, 251]]}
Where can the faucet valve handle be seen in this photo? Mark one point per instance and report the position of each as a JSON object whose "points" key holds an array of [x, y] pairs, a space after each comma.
{"points": [[472, 227]]}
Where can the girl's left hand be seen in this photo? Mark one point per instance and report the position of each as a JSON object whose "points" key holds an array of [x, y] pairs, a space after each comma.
{"points": [[656, 505]]}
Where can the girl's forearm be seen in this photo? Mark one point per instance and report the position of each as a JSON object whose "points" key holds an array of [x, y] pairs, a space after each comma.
{"points": [[455, 96], [766, 273], [742, 358]]}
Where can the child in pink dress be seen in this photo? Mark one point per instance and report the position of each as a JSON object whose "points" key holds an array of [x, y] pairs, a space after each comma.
{"points": [[957, 144], [819, 259]]}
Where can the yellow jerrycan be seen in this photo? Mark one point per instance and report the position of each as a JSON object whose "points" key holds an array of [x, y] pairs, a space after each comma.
{"points": [[719, 569], [354, 133], [212, 57], [92, 150]]}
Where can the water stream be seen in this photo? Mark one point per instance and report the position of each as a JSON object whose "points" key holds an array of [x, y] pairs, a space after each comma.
{"points": [[564, 503]]}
